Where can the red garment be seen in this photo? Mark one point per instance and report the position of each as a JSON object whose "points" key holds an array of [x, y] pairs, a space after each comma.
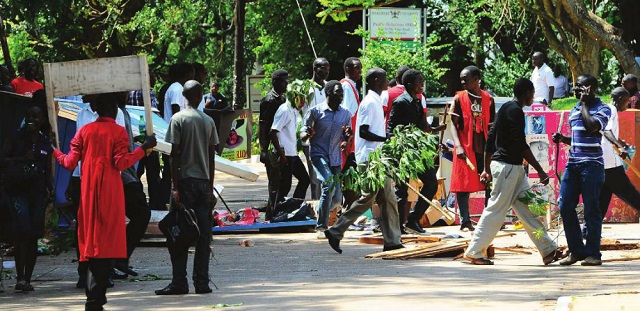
{"points": [[23, 86], [463, 179], [351, 146], [103, 147], [394, 92]]}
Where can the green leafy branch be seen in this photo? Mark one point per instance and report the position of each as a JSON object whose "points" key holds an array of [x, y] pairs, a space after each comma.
{"points": [[408, 153]]}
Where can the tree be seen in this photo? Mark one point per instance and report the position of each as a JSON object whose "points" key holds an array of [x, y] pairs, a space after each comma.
{"points": [[574, 30]]}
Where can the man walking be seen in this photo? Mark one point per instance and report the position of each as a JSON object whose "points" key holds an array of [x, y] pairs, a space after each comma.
{"points": [[584, 173], [407, 110], [370, 135], [472, 114], [327, 126], [284, 140], [193, 139], [268, 107], [504, 151], [317, 96]]}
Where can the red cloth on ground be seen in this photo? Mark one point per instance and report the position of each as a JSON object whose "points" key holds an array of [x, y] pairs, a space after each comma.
{"points": [[463, 179], [23, 86], [103, 148]]}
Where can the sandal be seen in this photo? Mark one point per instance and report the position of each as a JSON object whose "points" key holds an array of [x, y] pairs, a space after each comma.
{"points": [[479, 261], [554, 256]]}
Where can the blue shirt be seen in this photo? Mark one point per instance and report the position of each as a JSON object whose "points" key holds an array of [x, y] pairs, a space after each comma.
{"points": [[585, 146], [327, 125], [135, 99]]}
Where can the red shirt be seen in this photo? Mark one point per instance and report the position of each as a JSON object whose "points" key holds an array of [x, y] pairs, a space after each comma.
{"points": [[23, 86]]}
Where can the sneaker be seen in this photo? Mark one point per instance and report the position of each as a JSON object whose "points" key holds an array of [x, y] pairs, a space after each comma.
{"points": [[571, 259], [591, 261], [467, 226]]}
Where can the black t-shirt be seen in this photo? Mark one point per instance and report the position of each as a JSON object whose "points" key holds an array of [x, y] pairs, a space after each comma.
{"points": [[406, 110], [268, 107], [506, 139]]}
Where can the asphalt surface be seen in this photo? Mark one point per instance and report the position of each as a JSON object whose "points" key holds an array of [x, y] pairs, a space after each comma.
{"points": [[296, 271]]}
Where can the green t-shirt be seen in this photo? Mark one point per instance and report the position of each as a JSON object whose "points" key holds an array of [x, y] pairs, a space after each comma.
{"points": [[194, 132]]}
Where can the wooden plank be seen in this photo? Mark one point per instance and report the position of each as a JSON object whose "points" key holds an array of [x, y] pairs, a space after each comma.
{"points": [[379, 240], [235, 169], [95, 76]]}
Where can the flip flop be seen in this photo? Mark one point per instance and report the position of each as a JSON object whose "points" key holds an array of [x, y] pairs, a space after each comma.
{"points": [[479, 261], [554, 256]]}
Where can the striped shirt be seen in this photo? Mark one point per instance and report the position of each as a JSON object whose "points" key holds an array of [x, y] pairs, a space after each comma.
{"points": [[585, 146]]}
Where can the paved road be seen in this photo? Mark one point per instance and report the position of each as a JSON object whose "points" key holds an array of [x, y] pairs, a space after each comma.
{"points": [[296, 271]]}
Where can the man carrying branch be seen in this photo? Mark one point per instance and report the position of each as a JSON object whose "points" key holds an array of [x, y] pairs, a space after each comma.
{"points": [[504, 151], [370, 135], [407, 110]]}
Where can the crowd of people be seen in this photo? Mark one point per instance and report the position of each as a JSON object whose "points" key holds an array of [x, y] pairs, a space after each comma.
{"points": [[105, 185], [490, 149], [338, 130]]}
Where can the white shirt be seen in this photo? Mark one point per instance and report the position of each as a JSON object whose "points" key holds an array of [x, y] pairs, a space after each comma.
{"points": [[319, 96], [370, 113], [611, 157], [349, 101], [561, 87], [285, 123], [86, 116], [173, 97], [542, 79], [385, 98]]}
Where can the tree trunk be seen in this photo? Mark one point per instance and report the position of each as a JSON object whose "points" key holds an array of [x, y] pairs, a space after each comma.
{"points": [[239, 95]]}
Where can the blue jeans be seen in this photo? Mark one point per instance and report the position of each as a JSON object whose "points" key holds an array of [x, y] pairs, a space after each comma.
{"points": [[331, 194], [582, 178]]}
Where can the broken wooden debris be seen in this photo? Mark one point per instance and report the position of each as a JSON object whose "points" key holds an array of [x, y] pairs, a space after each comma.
{"points": [[379, 240]]}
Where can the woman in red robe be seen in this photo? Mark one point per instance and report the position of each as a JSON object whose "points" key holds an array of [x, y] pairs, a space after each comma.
{"points": [[103, 148], [473, 111]]}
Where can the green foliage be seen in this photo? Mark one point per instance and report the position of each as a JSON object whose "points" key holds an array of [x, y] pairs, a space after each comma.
{"points": [[298, 91], [391, 54], [568, 103], [409, 152], [502, 71], [338, 9]]}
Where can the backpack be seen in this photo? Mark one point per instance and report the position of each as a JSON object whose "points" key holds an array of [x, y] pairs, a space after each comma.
{"points": [[180, 226]]}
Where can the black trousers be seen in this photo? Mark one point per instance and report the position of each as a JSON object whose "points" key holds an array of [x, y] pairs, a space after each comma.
{"points": [[429, 189], [165, 185], [151, 166], [349, 196], [295, 168], [273, 176], [194, 194], [138, 212], [73, 190], [618, 183], [97, 279]]}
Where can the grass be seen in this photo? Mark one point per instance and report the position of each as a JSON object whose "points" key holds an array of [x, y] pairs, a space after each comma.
{"points": [[567, 103]]}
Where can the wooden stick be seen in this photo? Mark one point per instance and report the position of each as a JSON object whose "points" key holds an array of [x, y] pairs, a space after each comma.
{"points": [[507, 249], [434, 205], [627, 258], [626, 160]]}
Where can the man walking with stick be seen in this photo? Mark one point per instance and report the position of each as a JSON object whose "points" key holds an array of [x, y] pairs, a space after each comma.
{"points": [[504, 151]]}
